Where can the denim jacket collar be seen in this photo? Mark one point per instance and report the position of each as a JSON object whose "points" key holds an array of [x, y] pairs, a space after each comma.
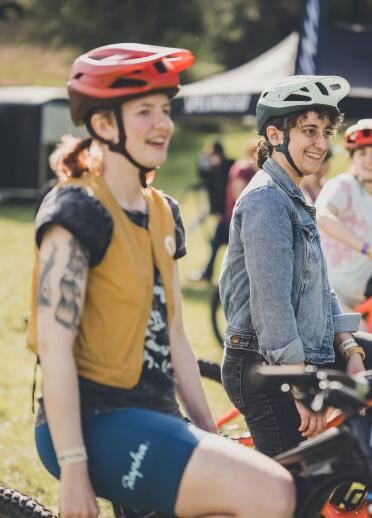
{"points": [[286, 183]]}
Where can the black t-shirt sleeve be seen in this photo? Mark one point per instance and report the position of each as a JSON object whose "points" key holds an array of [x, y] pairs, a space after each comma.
{"points": [[180, 230], [81, 214]]}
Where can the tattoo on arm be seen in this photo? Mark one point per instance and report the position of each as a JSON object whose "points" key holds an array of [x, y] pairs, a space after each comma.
{"points": [[78, 260], [45, 292], [68, 310]]}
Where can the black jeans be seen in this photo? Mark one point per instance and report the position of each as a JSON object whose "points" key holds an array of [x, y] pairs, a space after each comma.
{"points": [[271, 416]]}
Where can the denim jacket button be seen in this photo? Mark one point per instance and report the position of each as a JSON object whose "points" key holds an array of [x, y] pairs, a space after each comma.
{"points": [[235, 339]]}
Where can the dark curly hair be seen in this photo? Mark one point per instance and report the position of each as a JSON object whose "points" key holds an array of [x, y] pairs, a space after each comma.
{"points": [[265, 149]]}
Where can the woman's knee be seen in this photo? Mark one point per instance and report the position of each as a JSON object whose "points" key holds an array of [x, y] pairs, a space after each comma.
{"points": [[223, 477]]}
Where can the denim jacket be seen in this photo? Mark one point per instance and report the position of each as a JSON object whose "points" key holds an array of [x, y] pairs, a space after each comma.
{"points": [[274, 285]]}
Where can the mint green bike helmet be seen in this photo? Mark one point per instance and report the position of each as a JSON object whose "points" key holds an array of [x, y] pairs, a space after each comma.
{"points": [[295, 93], [298, 93]]}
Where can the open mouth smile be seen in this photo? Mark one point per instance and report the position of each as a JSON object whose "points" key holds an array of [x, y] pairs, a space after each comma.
{"points": [[313, 156]]}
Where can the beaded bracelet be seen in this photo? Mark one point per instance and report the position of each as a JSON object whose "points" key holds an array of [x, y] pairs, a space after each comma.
{"points": [[354, 349], [73, 455]]}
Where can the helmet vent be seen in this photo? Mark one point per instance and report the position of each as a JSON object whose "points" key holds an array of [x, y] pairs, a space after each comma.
{"points": [[160, 67], [322, 88], [335, 86], [124, 82], [304, 89], [297, 97], [366, 132], [265, 94], [97, 57]]}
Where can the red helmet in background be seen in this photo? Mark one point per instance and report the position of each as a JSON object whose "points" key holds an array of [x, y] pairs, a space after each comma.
{"points": [[107, 76], [359, 135]]}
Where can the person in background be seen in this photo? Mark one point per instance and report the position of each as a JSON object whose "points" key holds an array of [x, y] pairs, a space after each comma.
{"points": [[240, 174], [215, 178], [106, 317], [344, 214], [204, 163], [311, 185]]}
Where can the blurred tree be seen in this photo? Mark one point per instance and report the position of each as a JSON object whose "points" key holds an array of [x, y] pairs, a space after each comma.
{"points": [[241, 29], [223, 32], [86, 24], [10, 10]]}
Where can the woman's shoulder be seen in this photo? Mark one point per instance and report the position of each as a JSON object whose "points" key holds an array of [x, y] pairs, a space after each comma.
{"points": [[345, 176], [343, 183], [75, 209], [263, 204], [169, 200], [262, 190]]}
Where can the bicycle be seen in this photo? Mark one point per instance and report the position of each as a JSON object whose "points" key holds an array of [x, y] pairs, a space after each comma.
{"points": [[354, 505], [347, 394], [339, 456]]}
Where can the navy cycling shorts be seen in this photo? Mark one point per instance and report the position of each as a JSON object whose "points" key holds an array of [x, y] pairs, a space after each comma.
{"points": [[136, 456]]}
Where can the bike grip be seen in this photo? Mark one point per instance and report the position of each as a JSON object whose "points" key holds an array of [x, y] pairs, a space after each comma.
{"points": [[363, 377], [273, 377]]}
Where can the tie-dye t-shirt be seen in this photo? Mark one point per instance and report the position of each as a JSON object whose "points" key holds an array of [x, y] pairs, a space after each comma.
{"points": [[348, 269]]}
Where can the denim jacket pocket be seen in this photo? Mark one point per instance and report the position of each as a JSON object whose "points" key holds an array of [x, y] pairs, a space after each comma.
{"points": [[312, 244]]}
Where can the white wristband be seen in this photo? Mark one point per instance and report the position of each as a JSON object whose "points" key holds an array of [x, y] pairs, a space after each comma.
{"points": [[73, 455], [347, 344]]}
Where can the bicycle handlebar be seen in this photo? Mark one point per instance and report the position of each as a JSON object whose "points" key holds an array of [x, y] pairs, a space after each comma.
{"points": [[317, 388]]}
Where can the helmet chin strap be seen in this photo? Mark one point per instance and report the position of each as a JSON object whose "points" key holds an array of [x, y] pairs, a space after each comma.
{"points": [[119, 147], [283, 148]]}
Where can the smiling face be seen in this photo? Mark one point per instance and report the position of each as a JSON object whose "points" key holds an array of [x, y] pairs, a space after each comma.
{"points": [[148, 128], [362, 163], [309, 142]]}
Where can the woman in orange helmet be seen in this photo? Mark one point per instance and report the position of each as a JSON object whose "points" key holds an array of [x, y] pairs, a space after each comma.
{"points": [[106, 316], [345, 219]]}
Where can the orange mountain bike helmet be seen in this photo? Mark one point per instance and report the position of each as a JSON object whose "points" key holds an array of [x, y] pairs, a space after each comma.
{"points": [[358, 135], [107, 76]]}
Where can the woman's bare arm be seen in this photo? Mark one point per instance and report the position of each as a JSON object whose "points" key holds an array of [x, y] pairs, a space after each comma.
{"points": [[63, 278], [329, 221], [186, 369]]}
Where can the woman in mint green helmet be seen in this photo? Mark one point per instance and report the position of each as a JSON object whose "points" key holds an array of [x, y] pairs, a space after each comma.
{"points": [[274, 286]]}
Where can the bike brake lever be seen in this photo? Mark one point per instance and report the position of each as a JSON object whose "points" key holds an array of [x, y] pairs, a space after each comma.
{"points": [[344, 398]]}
